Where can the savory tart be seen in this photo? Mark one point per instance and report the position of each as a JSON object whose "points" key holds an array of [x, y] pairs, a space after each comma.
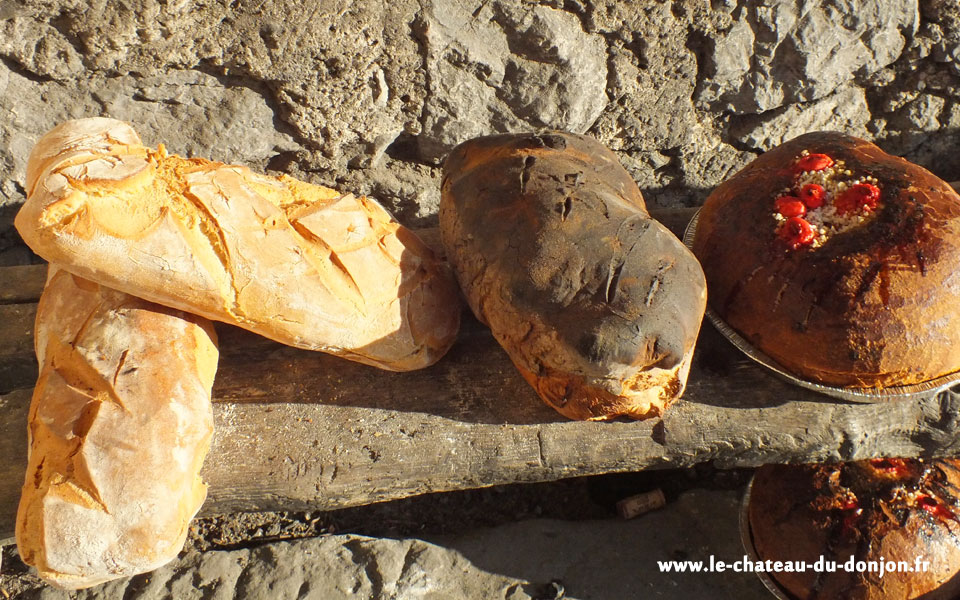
{"points": [[839, 261], [881, 529]]}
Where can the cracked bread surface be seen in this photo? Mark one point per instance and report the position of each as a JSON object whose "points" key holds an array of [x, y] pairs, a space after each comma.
{"points": [[299, 263], [119, 425], [890, 509], [875, 306], [597, 304]]}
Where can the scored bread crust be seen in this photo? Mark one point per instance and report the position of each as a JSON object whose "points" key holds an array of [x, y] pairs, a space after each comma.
{"points": [[119, 425], [298, 263], [875, 306], [799, 513], [597, 304]]}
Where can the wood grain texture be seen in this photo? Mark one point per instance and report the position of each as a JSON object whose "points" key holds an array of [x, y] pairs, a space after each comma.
{"points": [[298, 430], [22, 283]]}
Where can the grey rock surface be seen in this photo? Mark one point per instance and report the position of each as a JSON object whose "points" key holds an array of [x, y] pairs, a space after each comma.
{"points": [[615, 560], [845, 110], [588, 560], [369, 97], [781, 52], [496, 67], [191, 112]]}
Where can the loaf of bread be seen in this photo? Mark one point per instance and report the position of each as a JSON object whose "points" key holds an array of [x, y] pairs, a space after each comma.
{"points": [[119, 425], [891, 510], [839, 261], [298, 263], [597, 304]]}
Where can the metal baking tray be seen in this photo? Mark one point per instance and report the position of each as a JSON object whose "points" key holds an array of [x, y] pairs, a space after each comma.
{"points": [[746, 538], [917, 391]]}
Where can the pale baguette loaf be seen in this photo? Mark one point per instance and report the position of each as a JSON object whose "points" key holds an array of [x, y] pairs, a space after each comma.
{"points": [[298, 263], [119, 426]]}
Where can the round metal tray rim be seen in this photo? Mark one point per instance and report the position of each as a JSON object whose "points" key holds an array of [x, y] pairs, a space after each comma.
{"points": [[925, 389], [746, 538]]}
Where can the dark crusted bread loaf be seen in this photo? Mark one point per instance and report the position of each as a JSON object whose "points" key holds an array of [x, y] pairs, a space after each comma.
{"points": [[855, 284], [597, 304], [890, 509]]}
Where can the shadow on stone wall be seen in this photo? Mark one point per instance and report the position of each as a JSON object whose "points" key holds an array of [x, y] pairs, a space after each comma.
{"points": [[370, 100]]}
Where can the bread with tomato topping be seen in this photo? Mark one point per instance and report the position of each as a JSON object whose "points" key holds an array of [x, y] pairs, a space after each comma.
{"points": [[900, 512], [839, 261]]}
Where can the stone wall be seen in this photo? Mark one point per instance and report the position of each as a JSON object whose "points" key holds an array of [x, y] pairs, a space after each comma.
{"points": [[369, 96]]}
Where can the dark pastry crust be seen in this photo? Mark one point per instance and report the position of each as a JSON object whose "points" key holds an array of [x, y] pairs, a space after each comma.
{"points": [[597, 304], [865, 509], [875, 306]]}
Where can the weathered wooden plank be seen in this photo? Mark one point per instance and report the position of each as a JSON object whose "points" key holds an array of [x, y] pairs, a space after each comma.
{"points": [[13, 457], [303, 430], [300, 430], [18, 366], [20, 284], [16, 328], [17, 372]]}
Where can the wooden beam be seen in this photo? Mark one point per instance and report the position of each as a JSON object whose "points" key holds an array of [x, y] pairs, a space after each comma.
{"points": [[299, 430], [22, 283]]}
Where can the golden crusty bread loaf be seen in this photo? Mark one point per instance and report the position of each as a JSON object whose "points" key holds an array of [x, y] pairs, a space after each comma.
{"points": [[597, 304], [894, 510], [298, 263], [875, 302], [119, 425]]}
